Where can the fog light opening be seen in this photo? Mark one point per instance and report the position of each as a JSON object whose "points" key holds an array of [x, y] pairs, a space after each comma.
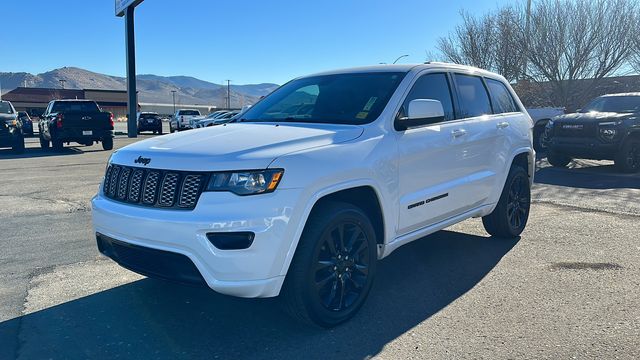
{"points": [[231, 240]]}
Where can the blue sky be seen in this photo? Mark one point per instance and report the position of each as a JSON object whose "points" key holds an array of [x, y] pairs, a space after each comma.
{"points": [[246, 41]]}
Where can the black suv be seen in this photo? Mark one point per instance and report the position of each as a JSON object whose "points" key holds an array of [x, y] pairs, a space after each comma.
{"points": [[149, 121], [608, 128], [10, 131]]}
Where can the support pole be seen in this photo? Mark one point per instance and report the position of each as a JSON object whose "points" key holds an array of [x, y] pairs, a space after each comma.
{"points": [[132, 125]]}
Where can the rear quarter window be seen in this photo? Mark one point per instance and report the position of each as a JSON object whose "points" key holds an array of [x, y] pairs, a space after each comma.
{"points": [[474, 99], [501, 97]]}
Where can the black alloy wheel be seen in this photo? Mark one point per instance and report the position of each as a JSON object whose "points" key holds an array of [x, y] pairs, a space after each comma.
{"points": [[519, 202], [334, 265], [342, 266], [628, 159], [511, 214]]}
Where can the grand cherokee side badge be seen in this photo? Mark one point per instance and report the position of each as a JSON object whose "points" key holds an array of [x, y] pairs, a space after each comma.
{"points": [[142, 160]]}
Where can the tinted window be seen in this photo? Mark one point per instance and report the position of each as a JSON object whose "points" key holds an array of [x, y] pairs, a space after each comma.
{"points": [[614, 104], [149, 116], [75, 106], [474, 100], [500, 97], [188, 112], [5, 108], [435, 87], [350, 98]]}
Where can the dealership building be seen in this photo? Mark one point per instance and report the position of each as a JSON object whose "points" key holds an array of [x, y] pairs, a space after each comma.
{"points": [[35, 100]]}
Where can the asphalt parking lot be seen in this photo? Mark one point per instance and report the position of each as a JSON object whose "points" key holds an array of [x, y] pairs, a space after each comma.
{"points": [[569, 287]]}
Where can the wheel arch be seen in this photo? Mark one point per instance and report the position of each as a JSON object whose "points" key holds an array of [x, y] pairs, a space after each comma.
{"points": [[346, 192]]}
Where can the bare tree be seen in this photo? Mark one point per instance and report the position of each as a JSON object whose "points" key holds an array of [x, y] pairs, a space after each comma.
{"points": [[509, 40], [471, 43], [578, 40], [635, 56], [560, 41]]}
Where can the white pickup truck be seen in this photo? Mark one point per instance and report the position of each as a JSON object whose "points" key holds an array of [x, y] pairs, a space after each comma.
{"points": [[315, 183], [183, 119]]}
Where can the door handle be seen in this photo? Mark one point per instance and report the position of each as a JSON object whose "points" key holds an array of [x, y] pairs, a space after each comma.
{"points": [[502, 125], [459, 132]]}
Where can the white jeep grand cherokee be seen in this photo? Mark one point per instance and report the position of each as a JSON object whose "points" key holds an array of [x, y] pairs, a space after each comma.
{"points": [[318, 181]]}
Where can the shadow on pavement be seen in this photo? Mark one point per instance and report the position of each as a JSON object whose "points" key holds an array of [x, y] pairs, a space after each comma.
{"points": [[31, 152], [154, 319], [586, 174]]}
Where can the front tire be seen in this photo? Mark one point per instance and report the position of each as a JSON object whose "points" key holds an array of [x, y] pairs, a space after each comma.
{"points": [[539, 141], [18, 145], [44, 144], [510, 216], [628, 158], [558, 160], [333, 268], [57, 145]]}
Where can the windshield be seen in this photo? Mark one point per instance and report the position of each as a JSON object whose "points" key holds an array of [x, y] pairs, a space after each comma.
{"points": [[5, 108], [619, 104], [355, 98]]}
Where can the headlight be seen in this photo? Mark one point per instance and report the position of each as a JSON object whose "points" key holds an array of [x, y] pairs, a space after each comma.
{"points": [[245, 182], [11, 122]]}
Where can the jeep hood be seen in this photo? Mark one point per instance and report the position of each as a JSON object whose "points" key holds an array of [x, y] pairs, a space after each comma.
{"points": [[235, 146], [593, 116]]}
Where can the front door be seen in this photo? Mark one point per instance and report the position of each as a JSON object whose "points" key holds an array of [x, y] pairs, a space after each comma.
{"points": [[431, 160]]}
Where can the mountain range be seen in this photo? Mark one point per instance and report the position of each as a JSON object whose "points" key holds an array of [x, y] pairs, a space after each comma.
{"points": [[152, 88]]}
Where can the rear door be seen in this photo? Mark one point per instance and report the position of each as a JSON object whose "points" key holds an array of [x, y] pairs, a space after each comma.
{"points": [[480, 153], [431, 169]]}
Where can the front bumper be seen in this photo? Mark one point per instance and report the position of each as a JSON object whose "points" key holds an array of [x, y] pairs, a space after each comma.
{"points": [[149, 127], [584, 148], [253, 272]]}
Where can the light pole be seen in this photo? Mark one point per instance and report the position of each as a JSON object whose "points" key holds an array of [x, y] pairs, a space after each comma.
{"points": [[400, 57], [173, 93], [228, 95]]}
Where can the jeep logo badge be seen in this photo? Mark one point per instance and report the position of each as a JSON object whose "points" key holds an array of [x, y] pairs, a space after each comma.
{"points": [[142, 160]]}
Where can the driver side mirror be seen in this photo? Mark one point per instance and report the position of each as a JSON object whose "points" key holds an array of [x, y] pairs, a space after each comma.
{"points": [[421, 112]]}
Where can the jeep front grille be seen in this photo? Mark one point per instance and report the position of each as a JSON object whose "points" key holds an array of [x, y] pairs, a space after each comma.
{"points": [[154, 187]]}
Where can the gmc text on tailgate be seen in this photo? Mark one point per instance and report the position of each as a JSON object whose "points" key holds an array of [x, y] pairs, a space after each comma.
{"points": [[79, 121]]}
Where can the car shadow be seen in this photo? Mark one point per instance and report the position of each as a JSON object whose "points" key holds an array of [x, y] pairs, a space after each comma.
{"points": [[155, 319], [595, 175], [33, 152]]}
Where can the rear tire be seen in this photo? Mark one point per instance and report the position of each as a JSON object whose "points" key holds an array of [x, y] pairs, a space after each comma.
{"points": [[558, 160], [18, 145], [107, 143], [510, 216], [333, 268], [628, 157], [160, 131]]}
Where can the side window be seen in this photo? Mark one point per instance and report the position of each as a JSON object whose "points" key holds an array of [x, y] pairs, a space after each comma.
{"points": [[435, 87], [501, 97], [474, 100]]}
